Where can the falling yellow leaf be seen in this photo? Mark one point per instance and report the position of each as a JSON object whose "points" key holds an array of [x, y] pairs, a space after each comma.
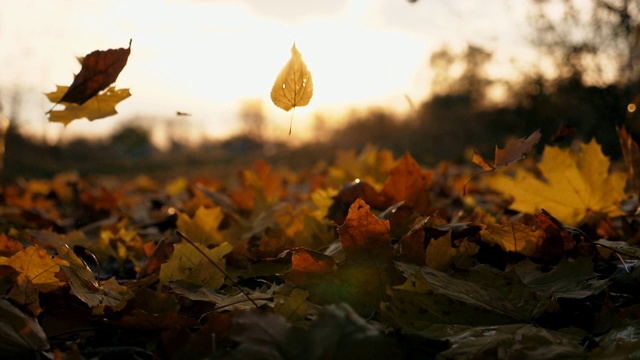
{"points": [[187, 263], [203, 227], [294, 85], [576, 185], [98, 107]]}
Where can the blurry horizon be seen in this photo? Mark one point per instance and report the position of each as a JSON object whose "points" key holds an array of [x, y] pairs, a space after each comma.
{"points": [[209, 58]]}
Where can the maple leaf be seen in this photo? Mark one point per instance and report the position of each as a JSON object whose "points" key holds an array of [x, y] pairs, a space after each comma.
{"points": [[98, 107], [513, 152], [407, 182], [259, 187], [40, 268], [440, 254], [203, 226], [99, 70], [187, 263], [294, 85], [515, 237], [577, 184], [363, 234]]}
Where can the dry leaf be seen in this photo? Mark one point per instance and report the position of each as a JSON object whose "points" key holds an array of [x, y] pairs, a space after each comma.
{"points": [[294, 85], [363, 234], [99, 70], [513, 152], [187, 263], [576, 185]]}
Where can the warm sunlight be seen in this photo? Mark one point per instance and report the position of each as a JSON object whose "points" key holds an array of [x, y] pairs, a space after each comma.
{"points": [[207, 57]]}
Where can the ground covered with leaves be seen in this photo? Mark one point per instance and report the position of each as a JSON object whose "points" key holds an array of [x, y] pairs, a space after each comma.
{"points": [[371, 257]]}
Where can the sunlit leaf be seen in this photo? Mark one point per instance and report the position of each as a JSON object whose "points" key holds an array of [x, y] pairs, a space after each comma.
{"points": [[203, 226], [294, 85], [98, 107], [575, 185]]}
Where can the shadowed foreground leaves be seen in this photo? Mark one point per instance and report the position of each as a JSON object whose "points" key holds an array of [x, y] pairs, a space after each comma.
{"points": [[395, 264]]}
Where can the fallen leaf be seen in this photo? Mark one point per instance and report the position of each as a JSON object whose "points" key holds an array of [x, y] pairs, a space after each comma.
{"points": [[98, 107], [407, 182], [516, 237], [364, 235], [294, 85], [513, 152], [577, 184], [187, 263], [203, 226], [35, 264], [99, 70], [20, 335], [440, 254]]}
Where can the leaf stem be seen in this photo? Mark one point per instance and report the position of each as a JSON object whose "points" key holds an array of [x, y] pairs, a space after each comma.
{"points": [[235, 284]]}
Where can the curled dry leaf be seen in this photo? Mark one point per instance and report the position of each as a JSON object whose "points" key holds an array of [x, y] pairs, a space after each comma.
{"points": [[513, 152]]}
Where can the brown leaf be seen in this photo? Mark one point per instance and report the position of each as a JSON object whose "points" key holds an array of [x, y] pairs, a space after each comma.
{"points": [[363, 234], [513, 152], [407, 182], [307, 266], [99, 70], [348, 195], [563, 132], [631, 153]]}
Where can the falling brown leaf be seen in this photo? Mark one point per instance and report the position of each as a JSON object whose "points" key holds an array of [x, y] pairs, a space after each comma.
{"points": [[99, 70], [513, 152], [631, 153], [563, 132]]}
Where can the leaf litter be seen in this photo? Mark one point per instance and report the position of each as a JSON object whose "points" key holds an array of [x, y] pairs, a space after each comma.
{"points": [[389, 266]]}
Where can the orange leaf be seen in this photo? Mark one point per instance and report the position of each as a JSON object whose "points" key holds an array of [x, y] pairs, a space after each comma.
{"points": [[407, 182], [9, 246], [362, 233], [308, 266]]}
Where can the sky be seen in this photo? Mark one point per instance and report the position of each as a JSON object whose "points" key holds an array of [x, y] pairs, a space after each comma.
{"points": [[208, 57]]}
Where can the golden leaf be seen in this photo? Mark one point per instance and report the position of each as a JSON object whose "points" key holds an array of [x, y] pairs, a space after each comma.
{"points": [[294, 85], [576, 185], [187, 263], [203, 227], [98, 107], [34, 264]]}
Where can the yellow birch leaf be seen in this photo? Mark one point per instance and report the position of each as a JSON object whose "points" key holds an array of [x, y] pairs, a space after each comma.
{"points": [[98, 107], [294, 85], [577, 184]]}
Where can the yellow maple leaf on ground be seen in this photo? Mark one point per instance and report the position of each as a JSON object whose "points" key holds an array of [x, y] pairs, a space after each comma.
{"points": [[187, 263], [34, 264], [203, 227], [576, 185]]}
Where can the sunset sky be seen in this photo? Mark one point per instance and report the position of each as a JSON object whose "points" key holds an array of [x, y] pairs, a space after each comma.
{"points": [[206, 57]]}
